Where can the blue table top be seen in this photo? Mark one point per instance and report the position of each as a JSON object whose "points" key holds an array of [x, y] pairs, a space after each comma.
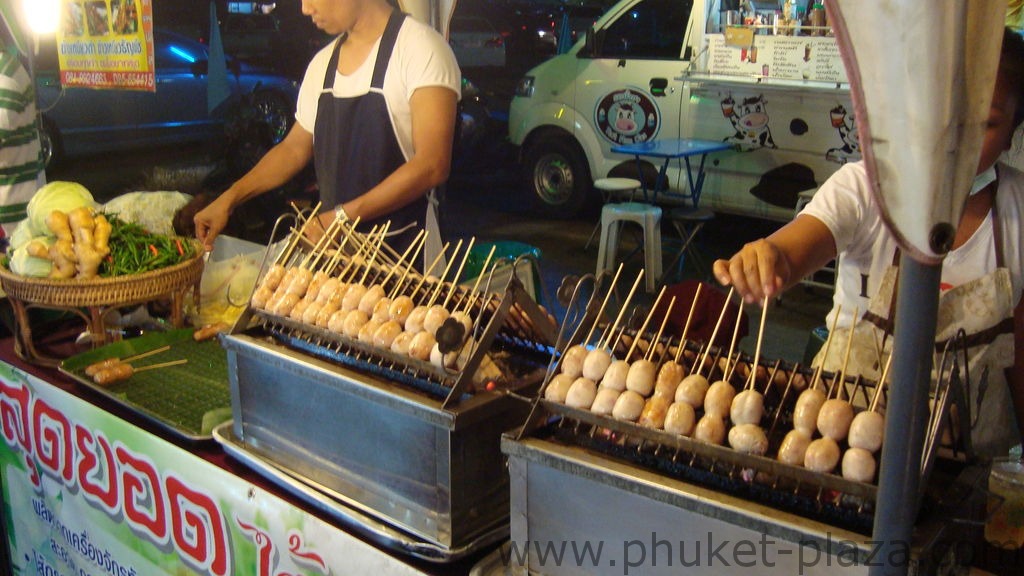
{"points": [[672, 148]]}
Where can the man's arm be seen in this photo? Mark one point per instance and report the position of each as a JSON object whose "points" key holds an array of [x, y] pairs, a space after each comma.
{"points": [[277, 167]]}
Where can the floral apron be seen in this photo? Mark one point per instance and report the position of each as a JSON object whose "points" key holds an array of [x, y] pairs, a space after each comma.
{"points": [[983, 308]]}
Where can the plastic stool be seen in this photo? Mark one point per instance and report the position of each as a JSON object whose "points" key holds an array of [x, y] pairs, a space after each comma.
{"points": [[616, 188], [688, 222], [645, 215], [612, 189]]}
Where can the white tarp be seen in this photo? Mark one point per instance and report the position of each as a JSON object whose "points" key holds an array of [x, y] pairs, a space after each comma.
{"points": [[921, 76], [422, 10]]}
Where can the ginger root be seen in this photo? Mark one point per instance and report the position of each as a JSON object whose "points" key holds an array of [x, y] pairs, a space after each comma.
{"points": [[101, 235], [62, 253], [83, 226], [58, 223]]}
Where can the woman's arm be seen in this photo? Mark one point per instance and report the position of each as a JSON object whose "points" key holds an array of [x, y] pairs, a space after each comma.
{"points": [[764, 268]]}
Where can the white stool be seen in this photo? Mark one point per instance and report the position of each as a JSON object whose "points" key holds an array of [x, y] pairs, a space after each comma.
{"points": [[645, 215], [613, 189]]}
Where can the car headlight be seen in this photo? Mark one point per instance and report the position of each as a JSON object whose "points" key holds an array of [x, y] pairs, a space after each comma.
{"points": [[524, 88]]}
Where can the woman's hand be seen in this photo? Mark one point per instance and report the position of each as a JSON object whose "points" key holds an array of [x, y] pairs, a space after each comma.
{"points": [[758, 271], [764, 268]]}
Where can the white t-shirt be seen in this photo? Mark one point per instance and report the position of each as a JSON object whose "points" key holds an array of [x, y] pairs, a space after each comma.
{"points": [[421, 58], [866, 248]]}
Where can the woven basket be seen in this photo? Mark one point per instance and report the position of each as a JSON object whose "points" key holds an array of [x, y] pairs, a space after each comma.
{"points": [[90, 299], [115, 291]]}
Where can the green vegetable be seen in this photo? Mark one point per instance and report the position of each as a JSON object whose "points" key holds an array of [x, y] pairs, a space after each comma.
{"points": [[25, 265], [63, 196], [133, 250], [22, 235]]}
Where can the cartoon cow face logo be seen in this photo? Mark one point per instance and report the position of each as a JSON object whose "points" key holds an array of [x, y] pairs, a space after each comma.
{"points": [[749, 120], [846, 126], [627, 116]]}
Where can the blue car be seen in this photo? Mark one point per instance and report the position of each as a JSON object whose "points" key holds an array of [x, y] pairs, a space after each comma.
{"points": [[79, 121]]}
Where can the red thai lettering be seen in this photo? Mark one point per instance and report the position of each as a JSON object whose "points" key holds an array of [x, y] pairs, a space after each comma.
{"points": [[264, 547], [302, 556], [98, 481], [52, 433], [141, 490], [14, 401], [197, 528]]}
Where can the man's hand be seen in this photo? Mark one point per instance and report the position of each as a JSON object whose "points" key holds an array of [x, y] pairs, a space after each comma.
{"points": [[210, 221]]}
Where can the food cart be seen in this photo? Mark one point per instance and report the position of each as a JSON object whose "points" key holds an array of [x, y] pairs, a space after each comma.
{"points": [[345, 457]]}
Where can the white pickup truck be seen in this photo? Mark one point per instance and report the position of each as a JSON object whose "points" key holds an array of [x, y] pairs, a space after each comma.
{"points": [[659, 69]]}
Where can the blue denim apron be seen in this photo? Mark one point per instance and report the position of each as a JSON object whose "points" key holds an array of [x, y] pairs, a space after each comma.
{"points": [[355, 146]]}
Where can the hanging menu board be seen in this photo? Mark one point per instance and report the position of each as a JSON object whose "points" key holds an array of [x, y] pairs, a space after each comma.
{"points": [[778, 57], [106, 44]]}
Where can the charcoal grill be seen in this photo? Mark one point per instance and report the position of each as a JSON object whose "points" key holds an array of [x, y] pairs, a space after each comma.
{"points": [[583, 478], [406, 442]]}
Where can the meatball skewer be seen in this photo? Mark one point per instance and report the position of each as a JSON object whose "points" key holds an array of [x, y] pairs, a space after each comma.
{"points": [[747, 407]]}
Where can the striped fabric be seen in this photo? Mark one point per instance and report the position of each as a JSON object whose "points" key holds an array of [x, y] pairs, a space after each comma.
{"points": [[21, 168]]}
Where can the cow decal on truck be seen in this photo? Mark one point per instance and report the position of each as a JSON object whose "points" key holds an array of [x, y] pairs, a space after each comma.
{"points": [[846, 125], [627, 116], [749, 119]]}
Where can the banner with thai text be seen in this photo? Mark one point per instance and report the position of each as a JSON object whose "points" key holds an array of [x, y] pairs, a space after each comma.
{"points": [[87, 494], [106, 44]]}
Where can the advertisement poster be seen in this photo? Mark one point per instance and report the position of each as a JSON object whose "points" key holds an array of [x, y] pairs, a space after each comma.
{"points": [[88, 494], [106, 44], [779, 57]]}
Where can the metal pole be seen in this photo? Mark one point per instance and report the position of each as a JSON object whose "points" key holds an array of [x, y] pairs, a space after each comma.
{"points": [[906, 416]]}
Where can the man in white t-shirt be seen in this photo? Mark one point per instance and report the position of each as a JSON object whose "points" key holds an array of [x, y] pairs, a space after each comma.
{"points": [[376, 114], [843, 219]]}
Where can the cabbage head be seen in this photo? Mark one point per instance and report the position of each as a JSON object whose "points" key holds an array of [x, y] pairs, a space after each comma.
{"points": [[25, 265], [63, 196], [22, 235]]}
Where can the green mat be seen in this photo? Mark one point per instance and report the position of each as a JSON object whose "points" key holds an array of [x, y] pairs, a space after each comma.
{"points": [[189, 400]]}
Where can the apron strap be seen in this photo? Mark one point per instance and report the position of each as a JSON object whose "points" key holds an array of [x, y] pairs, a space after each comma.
{"points": [[380, 66], [387, 46], [332, 64]]}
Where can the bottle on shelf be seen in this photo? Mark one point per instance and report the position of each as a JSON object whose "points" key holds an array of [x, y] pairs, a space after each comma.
{"points": [[817, 19]]}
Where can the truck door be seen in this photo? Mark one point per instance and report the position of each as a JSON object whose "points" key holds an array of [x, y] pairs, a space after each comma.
{"points": [[630, 86]]}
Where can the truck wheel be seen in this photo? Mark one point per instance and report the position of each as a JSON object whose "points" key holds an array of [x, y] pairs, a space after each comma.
{"points": [[557, 175]]}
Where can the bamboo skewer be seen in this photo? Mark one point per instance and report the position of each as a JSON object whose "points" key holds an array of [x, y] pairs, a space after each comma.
{"points": [[686, 327], [730, 364], [757, 350], [881, 384], [828, 344], [433, 264], [408, 266], [714, 333], [440, 281], [622, 310], [458, 273], [604, 304], [840, 378], [661, 329], [643, 327]]}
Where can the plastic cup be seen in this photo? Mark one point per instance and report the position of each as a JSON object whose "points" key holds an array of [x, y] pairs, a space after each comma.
{"points": [[1005, 525]]}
